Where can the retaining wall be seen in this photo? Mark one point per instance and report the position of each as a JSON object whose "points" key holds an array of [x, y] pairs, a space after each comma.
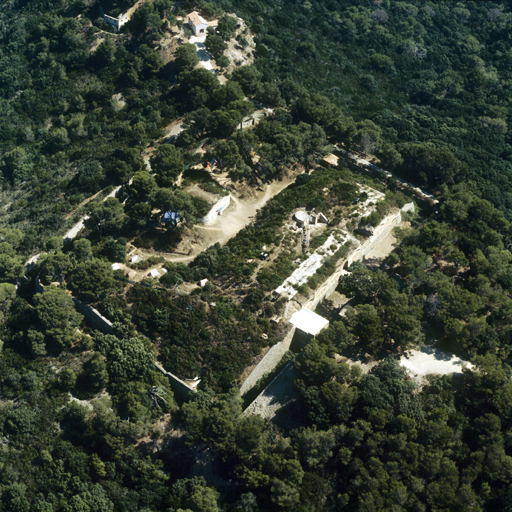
{"points": [[277, 394], [181, 390], [274, 355], [269, 362], [331, 283]]}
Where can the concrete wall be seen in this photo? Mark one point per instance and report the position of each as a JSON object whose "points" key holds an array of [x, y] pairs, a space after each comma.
{"points": [[182, 391], [381, 232], [331, 283], [277, 394], [222, 203]]}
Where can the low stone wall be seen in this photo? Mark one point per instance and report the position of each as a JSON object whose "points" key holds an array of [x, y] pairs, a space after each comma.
{"points": [[94, 317], [182, 391], [123, 18]]}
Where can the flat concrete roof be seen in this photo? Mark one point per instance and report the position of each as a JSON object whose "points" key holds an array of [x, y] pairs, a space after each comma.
{"points": [[308, 321]]}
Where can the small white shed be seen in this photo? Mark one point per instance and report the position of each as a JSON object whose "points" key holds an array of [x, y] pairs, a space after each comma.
{"points": [[154, 273]]}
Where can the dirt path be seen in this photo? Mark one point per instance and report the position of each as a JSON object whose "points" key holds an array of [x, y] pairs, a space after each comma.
{"points": [[83, 203], [242, 212]]}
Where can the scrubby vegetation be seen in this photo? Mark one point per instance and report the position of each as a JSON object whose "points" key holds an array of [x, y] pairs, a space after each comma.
{"points": [[87, 423]]}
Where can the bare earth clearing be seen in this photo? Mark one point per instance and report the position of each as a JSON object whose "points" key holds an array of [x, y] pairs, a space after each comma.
{"points": [[431, 361], [240, 213]]}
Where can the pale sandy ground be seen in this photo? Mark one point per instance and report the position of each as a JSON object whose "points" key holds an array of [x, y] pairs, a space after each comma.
{"points": [[384, 249], [75, 229], [431, 361], [205, 59]]}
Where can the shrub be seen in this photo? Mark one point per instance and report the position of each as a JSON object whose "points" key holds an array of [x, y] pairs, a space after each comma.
{"points": [[171, 279]]}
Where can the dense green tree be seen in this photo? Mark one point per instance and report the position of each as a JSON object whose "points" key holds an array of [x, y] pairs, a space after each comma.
{"points": [[105, 54], [193, 494], [106, 217], [115, 250], [269, 94], [143, 186], [55, 243], [167, 163], [128, 358], [82, 249], [94, 500], [90, 176], [15, 500], [227, 26], [248, 77], [56, 312], [215, 45], [97, 372], [186, 57], [91, 279], [316, 366], [11, 268], [53, 267], [7, 292], [67, 379], [368, 325], [222, 123]]}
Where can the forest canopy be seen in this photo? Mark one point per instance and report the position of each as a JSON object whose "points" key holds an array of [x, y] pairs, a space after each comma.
{"points": [[88, 422]]}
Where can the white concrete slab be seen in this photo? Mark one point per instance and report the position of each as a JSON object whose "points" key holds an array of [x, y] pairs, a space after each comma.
{"points": [[308, 321]]}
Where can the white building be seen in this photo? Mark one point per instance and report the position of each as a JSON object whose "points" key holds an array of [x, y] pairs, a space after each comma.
{"points": [[197, 23]]}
